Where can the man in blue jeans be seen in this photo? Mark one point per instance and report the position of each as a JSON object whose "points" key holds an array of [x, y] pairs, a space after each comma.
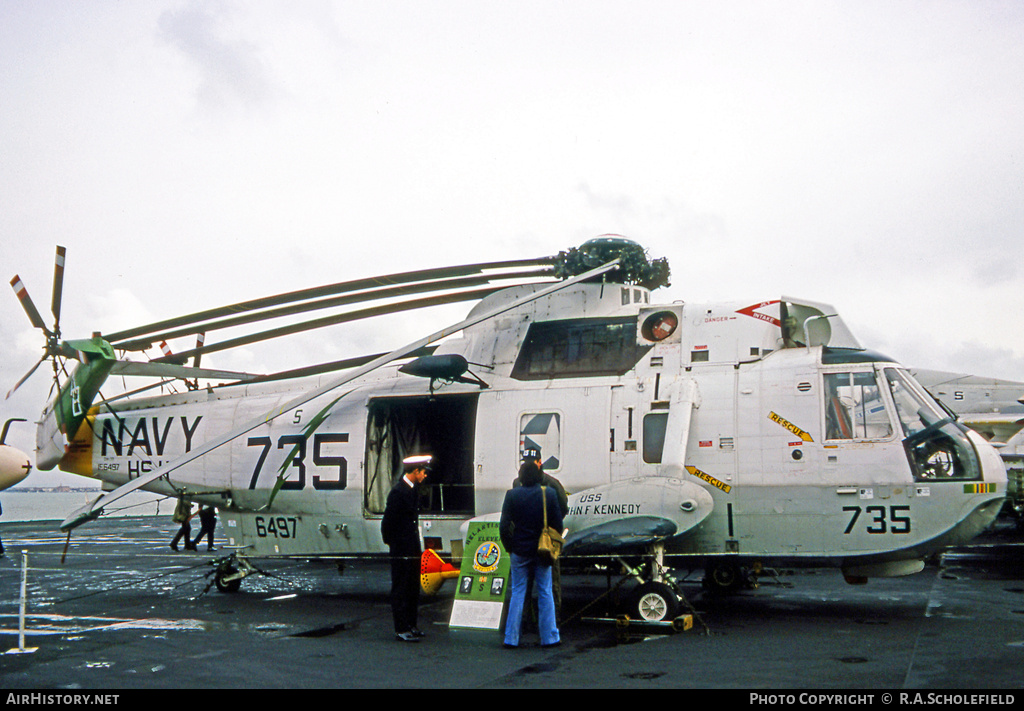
{"points": [[522, 519]]}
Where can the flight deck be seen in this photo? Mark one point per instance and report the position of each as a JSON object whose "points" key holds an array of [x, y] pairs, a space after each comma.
{"points": [[116, 608]]}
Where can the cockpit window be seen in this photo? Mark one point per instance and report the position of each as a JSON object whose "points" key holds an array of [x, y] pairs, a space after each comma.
{"points": [[915, 410], [938, 447], [854, 408]]}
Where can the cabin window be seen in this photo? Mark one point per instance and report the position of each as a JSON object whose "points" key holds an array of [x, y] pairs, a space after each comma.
{"points": [[441, 426], [542, 431], [938, 447], [854, 408], [579, 347]]}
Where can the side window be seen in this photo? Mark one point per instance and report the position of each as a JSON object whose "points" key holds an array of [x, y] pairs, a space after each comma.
{"points": [[654, 436], [542, 431], [854, 408], [579, 348]]}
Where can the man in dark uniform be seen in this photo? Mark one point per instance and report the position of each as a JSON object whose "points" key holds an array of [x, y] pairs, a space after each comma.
{"points": [[400, 530], [207, 522]]}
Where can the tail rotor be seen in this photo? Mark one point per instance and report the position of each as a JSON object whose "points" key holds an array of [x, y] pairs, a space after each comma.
{"points": [[53, 348]]}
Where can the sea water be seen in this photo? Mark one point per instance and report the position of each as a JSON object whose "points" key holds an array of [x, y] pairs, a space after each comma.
{"points": [[57, 505]]}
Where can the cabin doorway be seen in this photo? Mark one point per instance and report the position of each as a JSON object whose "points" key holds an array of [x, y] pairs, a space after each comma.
{"points": [[443, 426]]}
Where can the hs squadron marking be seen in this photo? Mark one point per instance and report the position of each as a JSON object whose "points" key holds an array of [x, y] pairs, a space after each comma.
{"points": [[715, 435]]}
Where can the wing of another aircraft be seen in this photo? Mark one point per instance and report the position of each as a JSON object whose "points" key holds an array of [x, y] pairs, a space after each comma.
{"points": [[993, 426], [989, 406]]}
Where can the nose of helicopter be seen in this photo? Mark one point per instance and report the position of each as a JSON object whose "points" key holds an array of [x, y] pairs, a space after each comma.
{"points": [[983, 500]]}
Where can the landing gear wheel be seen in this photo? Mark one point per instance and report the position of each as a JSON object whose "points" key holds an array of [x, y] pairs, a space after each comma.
{"points": [[227, 586], [723, 577], [654, 602]]}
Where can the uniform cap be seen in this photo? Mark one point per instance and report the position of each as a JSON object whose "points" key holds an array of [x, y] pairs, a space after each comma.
{"points": [[417, 461]]}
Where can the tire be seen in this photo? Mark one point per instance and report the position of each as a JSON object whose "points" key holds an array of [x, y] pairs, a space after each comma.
{"points": [[723, 577], [654, 602], [227, 586]]}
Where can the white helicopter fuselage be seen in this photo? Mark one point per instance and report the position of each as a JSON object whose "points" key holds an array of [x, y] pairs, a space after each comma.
{"points": [[707, 429]]}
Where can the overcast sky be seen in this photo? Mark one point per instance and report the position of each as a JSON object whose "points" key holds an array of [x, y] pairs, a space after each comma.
{"points": [[190, 154]]}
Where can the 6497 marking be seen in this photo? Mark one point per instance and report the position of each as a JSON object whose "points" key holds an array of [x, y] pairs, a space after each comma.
{"points": [[276, 526]]}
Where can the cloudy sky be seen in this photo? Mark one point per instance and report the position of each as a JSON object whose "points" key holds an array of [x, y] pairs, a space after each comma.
{"points": [[192, 154]]}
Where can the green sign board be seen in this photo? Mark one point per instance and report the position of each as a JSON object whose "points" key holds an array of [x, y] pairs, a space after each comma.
{"points": [[483, 579]]}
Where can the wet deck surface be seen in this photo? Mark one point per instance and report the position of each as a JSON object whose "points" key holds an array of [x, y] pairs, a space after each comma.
{"points": [[125, 612]]}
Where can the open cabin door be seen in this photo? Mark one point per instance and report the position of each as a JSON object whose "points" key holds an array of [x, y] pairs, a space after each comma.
{"points": [[442, 425]]}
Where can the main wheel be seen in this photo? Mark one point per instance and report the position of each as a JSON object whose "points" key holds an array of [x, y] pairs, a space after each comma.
{"points": [[227, 586], [654, 602], [723, 577]]}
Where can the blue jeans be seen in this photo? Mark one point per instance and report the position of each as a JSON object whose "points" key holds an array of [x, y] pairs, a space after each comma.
{"points": [[523, 569]]}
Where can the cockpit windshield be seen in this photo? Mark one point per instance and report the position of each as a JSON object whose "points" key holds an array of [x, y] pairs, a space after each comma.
{"points": [[916, 409], [938, 447]]}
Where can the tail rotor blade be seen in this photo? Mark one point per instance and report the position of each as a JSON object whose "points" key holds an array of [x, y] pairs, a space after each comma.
{"points": [[58, 286], [25, 377], [28, 305]]}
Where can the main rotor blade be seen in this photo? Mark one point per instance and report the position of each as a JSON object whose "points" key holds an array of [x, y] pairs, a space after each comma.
{"points": [[142, 344], [360, 314], [28, 305], [330, 367], [95, 509], [58, 287], [316, 292]]}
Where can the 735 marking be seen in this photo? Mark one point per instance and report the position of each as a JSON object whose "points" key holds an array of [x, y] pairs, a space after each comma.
{"points": [[297, 444], [895, 519]]}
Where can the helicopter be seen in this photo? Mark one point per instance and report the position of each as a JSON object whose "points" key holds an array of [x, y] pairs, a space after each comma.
{"points": [[722, 435]]}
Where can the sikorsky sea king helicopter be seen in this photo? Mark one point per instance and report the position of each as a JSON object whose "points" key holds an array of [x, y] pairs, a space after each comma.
{"points": [[713, 435]]}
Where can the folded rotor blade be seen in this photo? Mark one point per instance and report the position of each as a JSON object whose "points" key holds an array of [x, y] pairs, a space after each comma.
{"points": [[316, 292], [331, 367], [95, 509], [387, 292], [334, 320], [157, 369]]}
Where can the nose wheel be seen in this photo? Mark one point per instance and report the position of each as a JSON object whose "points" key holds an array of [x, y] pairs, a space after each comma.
{"points": [[654, 602], [657, 598]]}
